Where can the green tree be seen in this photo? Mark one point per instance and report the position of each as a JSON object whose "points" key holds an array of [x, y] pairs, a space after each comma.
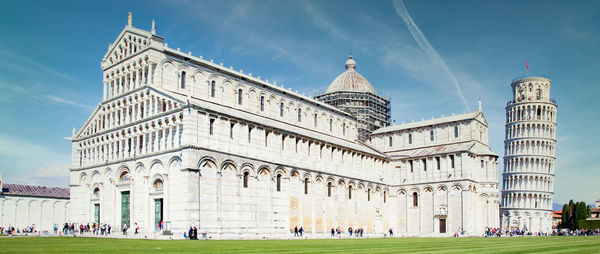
{"points": [[564, 220], [582, 212]]}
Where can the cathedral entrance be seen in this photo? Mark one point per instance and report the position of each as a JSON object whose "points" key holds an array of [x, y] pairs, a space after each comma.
{"points": [[442, 225], [125, 209], [97, 214], [158, 213]]}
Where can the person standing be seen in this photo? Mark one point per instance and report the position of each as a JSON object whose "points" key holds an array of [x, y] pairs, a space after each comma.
{"points": [[124, 228], [301, 230], [296, 231], [191, 233], [137, 228]]}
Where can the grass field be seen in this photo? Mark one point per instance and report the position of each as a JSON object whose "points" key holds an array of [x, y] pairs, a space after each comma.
{"points": [[563, 244]]}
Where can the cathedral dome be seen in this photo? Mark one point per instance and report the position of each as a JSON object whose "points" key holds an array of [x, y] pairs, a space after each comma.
{"points": [[350, 81]]}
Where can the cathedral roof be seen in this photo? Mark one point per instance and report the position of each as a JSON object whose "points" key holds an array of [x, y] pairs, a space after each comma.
{"points": [[350, 81], [35, 191]]}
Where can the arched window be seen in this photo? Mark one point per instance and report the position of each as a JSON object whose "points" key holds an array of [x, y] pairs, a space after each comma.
{"points": [[240, 96], [124, 176], [409, 138], [431, 135], [315, 119], [299, 115], [281, 109], [96, 192], [384, 196], [456, 131], [158, 185], [246, 176], [305, 185], [278, 182], [330, 124], [262, 103], [183, 80], [329, 189], [415, 199], [390, 141], [344, 129], [369, 195], [212, 88]]}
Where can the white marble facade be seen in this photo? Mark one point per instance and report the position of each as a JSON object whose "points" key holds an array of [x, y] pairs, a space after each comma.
{"points": [[240, 157]]}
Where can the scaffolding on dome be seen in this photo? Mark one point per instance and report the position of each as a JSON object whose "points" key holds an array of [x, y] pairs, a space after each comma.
{"points": [[371, 111]]}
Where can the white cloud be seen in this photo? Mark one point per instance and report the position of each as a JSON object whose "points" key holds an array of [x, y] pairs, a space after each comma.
{"points": [[426, 46], [61, 100], [27, 162]]}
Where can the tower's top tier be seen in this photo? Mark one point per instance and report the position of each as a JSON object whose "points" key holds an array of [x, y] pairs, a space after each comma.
{"points": [[531, 89]]}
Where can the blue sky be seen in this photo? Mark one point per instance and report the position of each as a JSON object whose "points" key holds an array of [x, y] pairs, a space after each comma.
{"points": [[50, 52]]}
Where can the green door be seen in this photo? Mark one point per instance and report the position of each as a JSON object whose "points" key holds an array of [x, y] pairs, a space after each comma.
{"points": [[158, 213], [97, 213], [125, 209]]}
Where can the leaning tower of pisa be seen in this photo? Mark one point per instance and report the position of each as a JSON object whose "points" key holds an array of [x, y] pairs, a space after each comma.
{"points": [[529, 156]]}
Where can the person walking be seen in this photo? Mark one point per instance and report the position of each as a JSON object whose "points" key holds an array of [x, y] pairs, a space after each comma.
{"points": [[301, 230], [137, 228], [191, 233], [195, 233], [296, 231], [332, 232], [124, 228]]}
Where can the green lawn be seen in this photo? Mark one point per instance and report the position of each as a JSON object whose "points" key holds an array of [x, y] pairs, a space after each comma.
{"points": [[563, 244]]}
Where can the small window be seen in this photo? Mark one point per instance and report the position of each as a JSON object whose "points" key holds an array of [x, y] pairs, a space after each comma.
{"points": [[211, 126], [124, 176], [212, 88], [415, 199], [410, 163], [390, 141], [409, 138], [96, 192], [452, 161], [299, 115], [369, 195], [481, 163], [281, 109], [432, 135], [329, 189], [344, 129], [231, 126], [437, 161], [266, 138], [305, 186], [158, 185], [384, 196], [240, 96], [262, 103], [350, 192], [456, 131], [424, 164], [330, 124], [315, 119], [183, 80], [249, 134], [278, 182], [246, 176]]}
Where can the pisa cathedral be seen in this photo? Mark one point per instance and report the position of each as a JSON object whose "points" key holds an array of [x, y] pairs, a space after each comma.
{"points": [[187, 142]]}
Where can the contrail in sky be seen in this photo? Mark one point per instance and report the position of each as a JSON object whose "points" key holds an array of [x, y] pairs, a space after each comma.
{"points": [[425, 46]]}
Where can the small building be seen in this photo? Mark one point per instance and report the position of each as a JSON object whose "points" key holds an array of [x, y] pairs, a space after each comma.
{"points": [[556, 218], [30, 205]]}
